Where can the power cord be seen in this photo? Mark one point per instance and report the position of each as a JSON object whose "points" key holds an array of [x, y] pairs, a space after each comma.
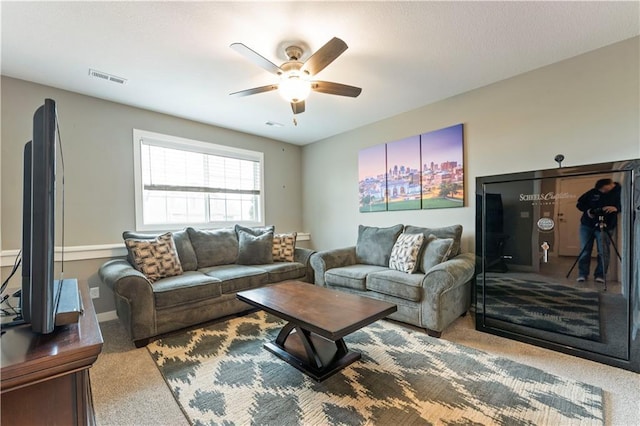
{"points": [[10, 310], [16, 264]]}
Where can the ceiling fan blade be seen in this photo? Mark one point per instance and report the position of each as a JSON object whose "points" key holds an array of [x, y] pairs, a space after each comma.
{"points": [[255, 90], [324, 56], [297, 107], [256, 58], [335, 88]]}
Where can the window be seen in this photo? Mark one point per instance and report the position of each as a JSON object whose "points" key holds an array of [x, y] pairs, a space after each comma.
{"points": [[181, 182]]}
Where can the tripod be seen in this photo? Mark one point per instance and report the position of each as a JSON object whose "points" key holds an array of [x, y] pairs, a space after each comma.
{"points": [[601, 226]]}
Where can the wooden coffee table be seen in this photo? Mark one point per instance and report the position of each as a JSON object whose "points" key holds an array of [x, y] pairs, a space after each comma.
{"points": [[318, 319]]}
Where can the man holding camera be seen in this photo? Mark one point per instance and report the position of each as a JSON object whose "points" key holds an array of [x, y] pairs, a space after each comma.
{"points": [[600, 207]]}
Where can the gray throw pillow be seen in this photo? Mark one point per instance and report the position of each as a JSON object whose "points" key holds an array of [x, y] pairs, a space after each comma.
{"points": [[214, 247], [375, 244], [436, 251], [256, 230], [453, 231], [254, 249]]}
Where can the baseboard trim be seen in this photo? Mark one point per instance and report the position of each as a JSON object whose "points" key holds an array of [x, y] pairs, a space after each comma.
{"points": [[107, 316]]}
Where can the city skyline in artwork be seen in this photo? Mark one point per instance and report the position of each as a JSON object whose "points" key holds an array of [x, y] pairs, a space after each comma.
{"points": [[419, 172]]}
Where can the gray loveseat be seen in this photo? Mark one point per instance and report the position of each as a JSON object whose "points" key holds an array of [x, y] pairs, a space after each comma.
{"points": [[214, 265], [431, 297]]}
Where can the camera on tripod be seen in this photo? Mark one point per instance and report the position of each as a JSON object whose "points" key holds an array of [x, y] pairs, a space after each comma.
{"points": [[598, 211]]}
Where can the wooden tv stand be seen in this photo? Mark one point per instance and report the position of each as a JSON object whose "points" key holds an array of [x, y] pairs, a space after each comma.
{"points": [[45, 377]]}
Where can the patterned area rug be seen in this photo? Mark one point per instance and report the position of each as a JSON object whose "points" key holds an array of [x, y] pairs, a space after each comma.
{"points": [[546, 306], [221, 374]]}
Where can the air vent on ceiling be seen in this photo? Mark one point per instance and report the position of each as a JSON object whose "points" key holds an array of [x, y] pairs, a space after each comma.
{"points": [[274, 124], [105, 76]]}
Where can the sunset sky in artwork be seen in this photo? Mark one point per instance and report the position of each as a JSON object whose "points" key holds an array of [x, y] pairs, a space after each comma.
{"points": [[438, 146], [443, 145], [371, 162], [405, 152]]}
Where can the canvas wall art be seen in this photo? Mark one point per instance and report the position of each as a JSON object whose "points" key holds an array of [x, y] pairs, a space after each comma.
{"points": [[442, 171], [424, 171], [403, 174], [372, 176]]}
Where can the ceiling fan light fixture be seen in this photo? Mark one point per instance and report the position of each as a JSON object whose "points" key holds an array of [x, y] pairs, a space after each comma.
{"points": [[294, 87]]}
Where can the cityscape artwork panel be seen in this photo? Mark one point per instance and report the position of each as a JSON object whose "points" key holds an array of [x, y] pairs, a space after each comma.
{"points": [[419, 172], [442, 171], [372, 176], [403, 174]]}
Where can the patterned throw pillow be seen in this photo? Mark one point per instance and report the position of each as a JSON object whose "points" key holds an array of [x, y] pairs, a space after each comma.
{"points": [[155, 258], [404, 255], [284, 246]]}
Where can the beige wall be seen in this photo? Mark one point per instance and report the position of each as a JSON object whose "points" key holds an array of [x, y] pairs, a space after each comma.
{"points": [[586, 108], [98, 153]]}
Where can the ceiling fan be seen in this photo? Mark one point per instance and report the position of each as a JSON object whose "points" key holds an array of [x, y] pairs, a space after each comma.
{"points": [[295, 76]]}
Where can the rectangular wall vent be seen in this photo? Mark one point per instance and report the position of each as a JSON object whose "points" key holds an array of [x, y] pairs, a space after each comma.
{"points": [[106, 76]]}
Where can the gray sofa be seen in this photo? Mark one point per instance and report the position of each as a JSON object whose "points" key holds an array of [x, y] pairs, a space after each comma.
{"points": [[214, 266], [432, 297]]}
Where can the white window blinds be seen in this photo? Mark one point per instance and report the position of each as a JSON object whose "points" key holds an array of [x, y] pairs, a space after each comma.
{"points": [[190, 183]]}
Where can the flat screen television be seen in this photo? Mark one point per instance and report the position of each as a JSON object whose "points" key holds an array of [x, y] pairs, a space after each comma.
{"points": [[40, 290], [541, 278]]}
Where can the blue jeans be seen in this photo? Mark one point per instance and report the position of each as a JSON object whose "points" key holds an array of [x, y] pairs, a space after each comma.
{"points": [[587, 236]]}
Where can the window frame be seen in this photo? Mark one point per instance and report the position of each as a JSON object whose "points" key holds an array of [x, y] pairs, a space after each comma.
{"points": [[184, 144]]}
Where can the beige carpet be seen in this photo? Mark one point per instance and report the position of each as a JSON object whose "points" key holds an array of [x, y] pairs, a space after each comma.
{"points": [[129, 390]]}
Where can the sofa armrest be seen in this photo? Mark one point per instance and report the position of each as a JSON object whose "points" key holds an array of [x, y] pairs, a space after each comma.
{"points": [[303, 255], [124, 279], [134, 298], [452, 273], [322, 261]]}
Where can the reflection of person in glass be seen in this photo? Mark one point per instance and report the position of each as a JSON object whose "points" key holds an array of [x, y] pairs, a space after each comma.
{"points": [[600, 207]]}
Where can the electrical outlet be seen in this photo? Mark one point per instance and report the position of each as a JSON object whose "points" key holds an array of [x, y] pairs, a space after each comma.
{"points": [[94, 292]]}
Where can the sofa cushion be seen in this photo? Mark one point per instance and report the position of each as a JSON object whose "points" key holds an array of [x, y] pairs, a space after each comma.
{"points": [[453, 231], [396, 283], [404, 255], [282, 271], [214, 247], [185, 289], [352, 276], [185, 251], [374, 244], [155, 258], [284, 247], [253, 248], [436, 251], [237, 277]]}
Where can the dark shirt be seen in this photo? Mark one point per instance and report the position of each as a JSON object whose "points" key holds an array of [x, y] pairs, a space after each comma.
{"points": [[594, 199]]}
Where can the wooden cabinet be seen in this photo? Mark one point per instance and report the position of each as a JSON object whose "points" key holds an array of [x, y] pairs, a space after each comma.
{"points": [[45, 377]]}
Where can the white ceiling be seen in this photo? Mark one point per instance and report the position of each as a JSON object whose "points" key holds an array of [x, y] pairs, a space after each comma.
{"points": [[177, 60]]}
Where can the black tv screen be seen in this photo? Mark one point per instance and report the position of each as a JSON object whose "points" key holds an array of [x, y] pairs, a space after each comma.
{"points": [[39, 291]]}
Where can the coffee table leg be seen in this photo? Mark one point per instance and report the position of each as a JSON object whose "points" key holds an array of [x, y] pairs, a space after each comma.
{"points": [[313, 355], [284, 334]]}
